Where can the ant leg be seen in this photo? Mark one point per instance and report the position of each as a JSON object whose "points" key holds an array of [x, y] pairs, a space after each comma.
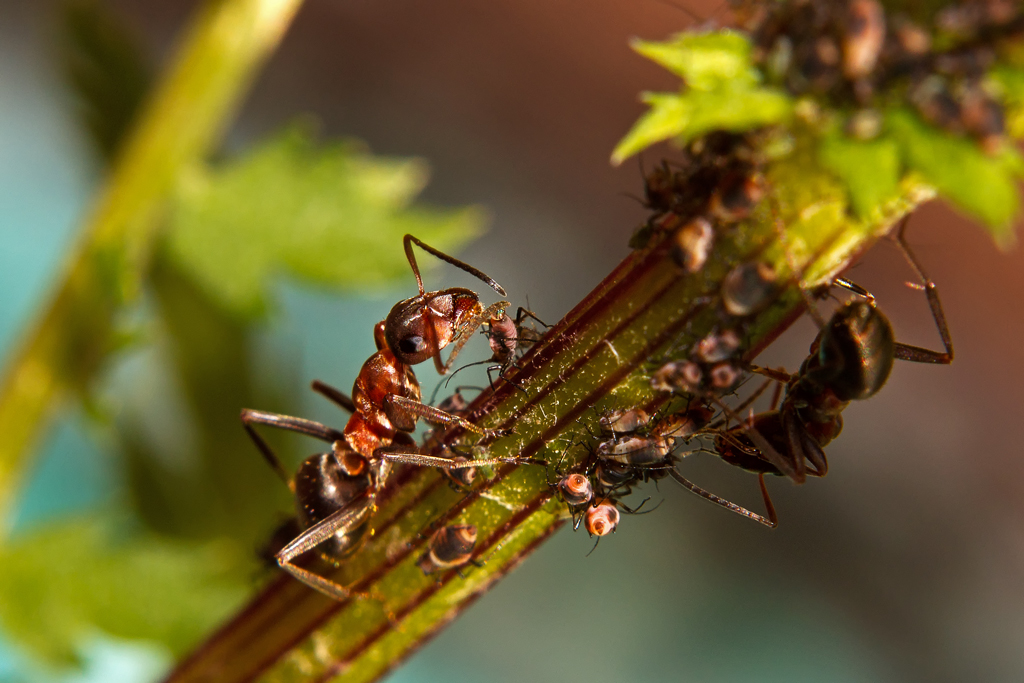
{"points": [[771, 521], [449, 463], [343, 401], [766, 450], [294, 424], [851, 286], [487, 314], [917, 354], [346, 518], [434, 415], [409, 240]]}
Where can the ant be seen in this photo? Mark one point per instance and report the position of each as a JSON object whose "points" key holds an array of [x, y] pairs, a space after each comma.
{"points": [[336, 491], [850, 360]]}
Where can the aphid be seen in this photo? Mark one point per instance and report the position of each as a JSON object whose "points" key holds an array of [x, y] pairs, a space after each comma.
{"points": [[863, 38], [692, 243], [619, 422], [748, 287], [576, 489], [336, 491], [602, 518], [450, 547], [850, 360], [736, 196], [683, 376]]}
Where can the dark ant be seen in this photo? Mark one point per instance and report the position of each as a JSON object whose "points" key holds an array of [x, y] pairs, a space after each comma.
{"points": [[850, 360], [336, 491], [449, 547]]}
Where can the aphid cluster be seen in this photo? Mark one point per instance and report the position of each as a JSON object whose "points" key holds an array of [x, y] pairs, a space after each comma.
{"points": [[336, 491], [851, 51], [850, 359], [716, 183]]}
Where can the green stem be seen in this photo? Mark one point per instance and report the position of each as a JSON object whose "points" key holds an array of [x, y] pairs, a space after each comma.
{"points": [[196, 100], [598, 357]]}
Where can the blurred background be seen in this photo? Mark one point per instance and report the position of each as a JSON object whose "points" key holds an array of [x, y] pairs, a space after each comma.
{"points": [[905, 564]]}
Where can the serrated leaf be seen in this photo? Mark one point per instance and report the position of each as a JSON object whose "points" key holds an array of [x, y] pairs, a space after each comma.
{"points": [[982, 185], [332, 215], [59, 584], [869, 169], [692, 114], [704, 61], [107, 70]]}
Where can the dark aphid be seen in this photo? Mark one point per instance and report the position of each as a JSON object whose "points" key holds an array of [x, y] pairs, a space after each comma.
{"points": [[576, 489], [683, 376], [618, 422], [450, 547], [723, 376], [462, 477], [736, 196], [748, 287], [718, 346], [336, 491], [692, 244], [850, 360], [602, 518]]}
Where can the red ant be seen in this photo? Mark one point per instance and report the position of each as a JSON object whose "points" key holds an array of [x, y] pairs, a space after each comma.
{"points": [[336, 491]]}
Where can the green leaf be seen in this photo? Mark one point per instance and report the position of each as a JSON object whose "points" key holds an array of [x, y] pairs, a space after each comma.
{"points": [[1008, 81], [333, 216], [694, 113], [61, 583], [705, 61], [720, 92], [982, 185], [107, 70], [870, 169]]}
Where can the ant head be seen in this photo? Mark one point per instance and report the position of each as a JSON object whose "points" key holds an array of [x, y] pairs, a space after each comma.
{"points": [[411, 330]]}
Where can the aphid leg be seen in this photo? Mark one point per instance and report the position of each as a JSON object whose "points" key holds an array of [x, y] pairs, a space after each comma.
{"points": [[293, 424], [342, 400], [493, 311], [771, 521], [917, 354]]}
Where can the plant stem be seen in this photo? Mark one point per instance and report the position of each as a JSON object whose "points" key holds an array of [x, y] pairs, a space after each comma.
{"points": [[598, 357], [218, 58]]}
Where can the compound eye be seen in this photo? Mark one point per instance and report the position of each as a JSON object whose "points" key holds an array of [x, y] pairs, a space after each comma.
{"points": [[412, 344]]}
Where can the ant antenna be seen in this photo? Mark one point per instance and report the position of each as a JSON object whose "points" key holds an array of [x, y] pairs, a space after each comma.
{"points": [[409, 240]]}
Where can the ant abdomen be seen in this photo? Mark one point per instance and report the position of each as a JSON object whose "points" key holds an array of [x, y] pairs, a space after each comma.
{"points": [[325, 484]]}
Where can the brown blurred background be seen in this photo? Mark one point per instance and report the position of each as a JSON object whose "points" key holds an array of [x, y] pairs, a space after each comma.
{"points": [[905, 564]]}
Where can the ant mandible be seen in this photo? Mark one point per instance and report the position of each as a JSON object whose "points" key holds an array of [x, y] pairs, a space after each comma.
{"points": [[336, 491], [850, 360]]}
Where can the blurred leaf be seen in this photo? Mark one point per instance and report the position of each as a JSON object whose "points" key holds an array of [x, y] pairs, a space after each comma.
{"points": [[192, 470], [694, 113], [333, 215], [870, 170], [1009, 82], [705, 61], [107, 70], [61, 583], [983, 185]]}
